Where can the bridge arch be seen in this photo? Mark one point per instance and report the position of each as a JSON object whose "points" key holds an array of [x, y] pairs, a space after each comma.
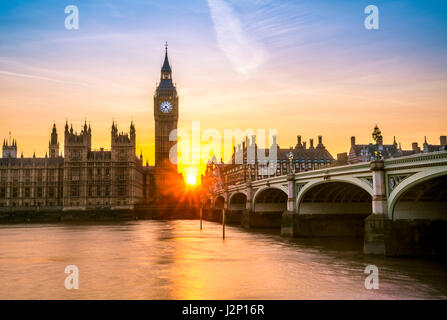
{"points": [[270, 199], [335, 196], [420, 196], [355, 182], [237, 201]]}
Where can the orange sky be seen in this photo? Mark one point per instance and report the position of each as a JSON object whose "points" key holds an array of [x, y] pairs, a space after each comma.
{"points": [[308, 106], [322, 76]]}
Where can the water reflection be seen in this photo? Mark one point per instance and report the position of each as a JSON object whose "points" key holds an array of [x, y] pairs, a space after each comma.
{"points": [[175, 260]]}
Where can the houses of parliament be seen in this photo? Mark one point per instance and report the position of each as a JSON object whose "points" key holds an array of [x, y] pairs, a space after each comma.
{"points": [[83, 178]]}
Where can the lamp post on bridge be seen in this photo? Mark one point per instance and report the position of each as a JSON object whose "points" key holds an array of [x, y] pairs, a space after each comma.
{"points": [[225, 207], [377, 137], [291, 163]]}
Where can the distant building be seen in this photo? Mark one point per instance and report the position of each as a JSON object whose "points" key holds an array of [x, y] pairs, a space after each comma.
{"points": [[82, 179], [242, 167], [365, 152], [435, 147]]}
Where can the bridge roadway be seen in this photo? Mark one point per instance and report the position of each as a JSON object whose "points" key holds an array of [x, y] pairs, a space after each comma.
{"points": [[399, 206]]}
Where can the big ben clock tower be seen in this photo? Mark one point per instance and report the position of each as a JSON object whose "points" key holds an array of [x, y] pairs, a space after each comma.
{"points": [[166, 119]]}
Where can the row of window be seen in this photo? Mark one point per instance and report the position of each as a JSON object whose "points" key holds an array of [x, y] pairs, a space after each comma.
{"points": [[26, 204], [27, 174], [91, 191], [97, 192], [27, 192]]}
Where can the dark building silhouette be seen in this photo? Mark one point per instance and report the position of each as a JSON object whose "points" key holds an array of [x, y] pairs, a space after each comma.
{"points": [[243, 167], [435, 147], [165, 179], [82, 179], [365, 152]]}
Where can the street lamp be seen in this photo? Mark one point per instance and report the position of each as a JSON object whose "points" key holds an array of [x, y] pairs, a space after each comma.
{"points": [[290, 162], [377, 136]]}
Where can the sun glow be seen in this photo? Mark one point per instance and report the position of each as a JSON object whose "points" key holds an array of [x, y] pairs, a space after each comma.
{"points": [[191, 179], [192, 174]]}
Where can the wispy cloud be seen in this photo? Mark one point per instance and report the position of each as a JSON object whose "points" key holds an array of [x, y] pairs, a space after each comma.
{"points": [[37, 77], [243, 51]]}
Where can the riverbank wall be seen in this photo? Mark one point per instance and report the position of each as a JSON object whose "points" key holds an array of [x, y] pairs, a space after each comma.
{"points": [[161, 212]]}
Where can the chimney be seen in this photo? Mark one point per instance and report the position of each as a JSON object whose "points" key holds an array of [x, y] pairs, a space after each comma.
{"points": [[415, 147], [443, 140], [311, 142], [304, 144], [299, 141], [342, 158], [320, 141], [352, 141]]}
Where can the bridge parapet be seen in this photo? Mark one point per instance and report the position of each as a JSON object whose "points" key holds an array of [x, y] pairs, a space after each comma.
{"points": [[360, 170], [425, 159]]}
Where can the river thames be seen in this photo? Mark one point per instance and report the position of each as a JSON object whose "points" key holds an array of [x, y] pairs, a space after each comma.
{"points": [[176, 260]]}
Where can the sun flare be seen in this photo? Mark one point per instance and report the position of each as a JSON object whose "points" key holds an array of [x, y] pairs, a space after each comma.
{"points": [[191, 178]]}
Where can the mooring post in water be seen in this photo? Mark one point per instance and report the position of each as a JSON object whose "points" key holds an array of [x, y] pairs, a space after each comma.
{"points": [[200, 218], [223, 223]]}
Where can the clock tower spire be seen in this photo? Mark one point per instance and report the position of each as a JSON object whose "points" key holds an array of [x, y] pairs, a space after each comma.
{"points": [[166, 72], [166, 118]]}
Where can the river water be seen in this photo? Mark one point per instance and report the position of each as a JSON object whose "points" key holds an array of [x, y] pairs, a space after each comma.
{"points": [[177, 260]]}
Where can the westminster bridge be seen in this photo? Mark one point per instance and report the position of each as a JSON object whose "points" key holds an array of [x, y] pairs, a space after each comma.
{"points": [[398, 205]]}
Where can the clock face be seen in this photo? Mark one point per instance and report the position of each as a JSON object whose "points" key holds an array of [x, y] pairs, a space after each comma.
{"points": [[165, 107]]}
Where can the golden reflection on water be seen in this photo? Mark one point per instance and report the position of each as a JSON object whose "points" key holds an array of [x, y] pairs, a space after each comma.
{"points": [[176, 260]]}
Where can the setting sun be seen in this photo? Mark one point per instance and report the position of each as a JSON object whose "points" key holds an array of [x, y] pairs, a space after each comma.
{"points": [[191, 178]]}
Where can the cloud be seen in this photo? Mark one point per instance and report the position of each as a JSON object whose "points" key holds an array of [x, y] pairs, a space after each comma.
{"points": [[37, 77], [243, 51]]}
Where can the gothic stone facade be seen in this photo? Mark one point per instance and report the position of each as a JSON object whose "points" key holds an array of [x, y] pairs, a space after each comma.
{"points": [[82, 179]]}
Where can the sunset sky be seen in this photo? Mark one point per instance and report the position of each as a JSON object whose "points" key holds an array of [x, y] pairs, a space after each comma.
{"points": [[302, 67]]}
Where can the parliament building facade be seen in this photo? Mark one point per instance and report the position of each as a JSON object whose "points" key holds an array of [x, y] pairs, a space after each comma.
{"points": [[83, 179]]}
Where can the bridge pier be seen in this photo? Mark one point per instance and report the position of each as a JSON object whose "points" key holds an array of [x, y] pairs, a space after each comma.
{"points": [[247, 214], [377, 222], [289, 219]]}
